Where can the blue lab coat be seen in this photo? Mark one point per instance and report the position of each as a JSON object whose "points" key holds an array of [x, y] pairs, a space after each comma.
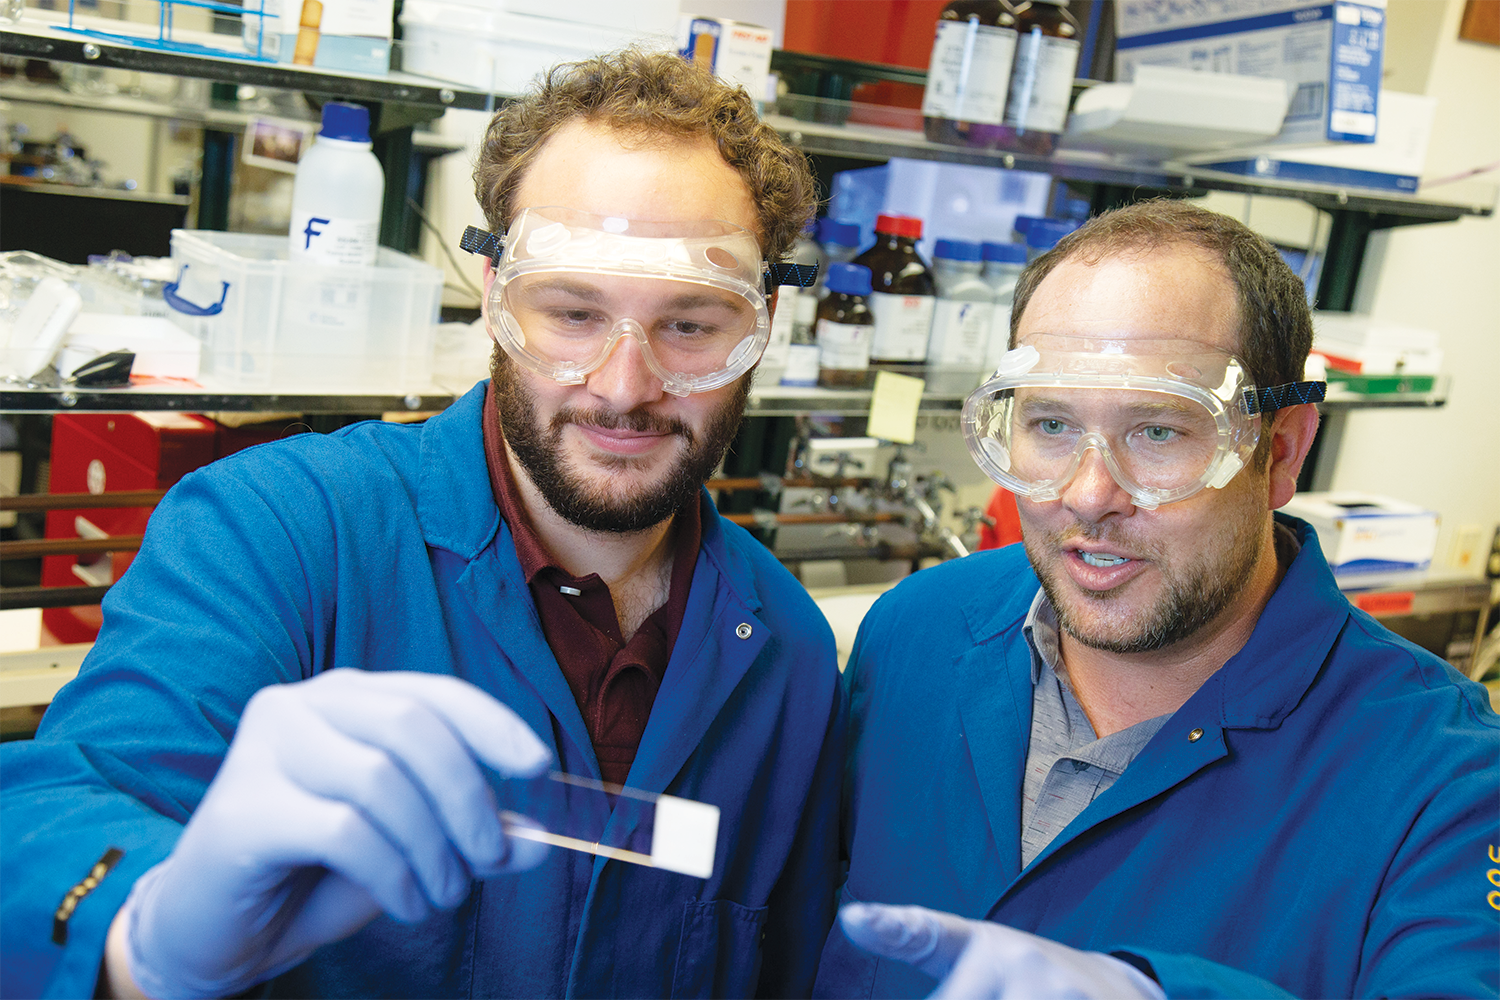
{"points": [[1326, 835], [381, 547]]}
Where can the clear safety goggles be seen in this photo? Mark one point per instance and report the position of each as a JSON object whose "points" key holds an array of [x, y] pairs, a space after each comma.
{"points": [[570, 287], [1167, 417]]}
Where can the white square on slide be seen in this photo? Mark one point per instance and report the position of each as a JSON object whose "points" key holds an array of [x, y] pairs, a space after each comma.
{"points": [[685, 836]]}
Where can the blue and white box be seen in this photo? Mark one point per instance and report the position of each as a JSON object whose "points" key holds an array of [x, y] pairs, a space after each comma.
{"points": [[1364, 533], [1329, 53]]}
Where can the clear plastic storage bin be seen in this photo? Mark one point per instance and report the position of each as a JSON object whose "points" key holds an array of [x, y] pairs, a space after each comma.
{"points": [[268, 325]]}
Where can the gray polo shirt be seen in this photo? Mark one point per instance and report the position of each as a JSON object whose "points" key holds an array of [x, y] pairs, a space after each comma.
{"points": [[1067, 767]]}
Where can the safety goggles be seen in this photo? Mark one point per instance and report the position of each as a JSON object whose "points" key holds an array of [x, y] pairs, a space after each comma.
{"points": [[570, 287], [1167, 417]]}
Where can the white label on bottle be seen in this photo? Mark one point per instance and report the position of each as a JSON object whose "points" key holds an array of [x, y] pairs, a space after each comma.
{"points": [[1042, 84], [319, 239], [844, 345], [960, 332], [902, 324], [999, 336], [781, 326], [802, 362], [969, 72]]}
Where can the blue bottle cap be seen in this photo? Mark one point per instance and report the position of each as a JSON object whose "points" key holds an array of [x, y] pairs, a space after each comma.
{"points": [[848, 279], [842, 234], [1005, 253], [1023, 224], [956, 250], [1044, 233], [350, 122]]}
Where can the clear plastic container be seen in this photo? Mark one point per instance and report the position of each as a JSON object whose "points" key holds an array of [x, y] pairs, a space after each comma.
{"points": [[239, 294], [973, 51], [965, 307]]}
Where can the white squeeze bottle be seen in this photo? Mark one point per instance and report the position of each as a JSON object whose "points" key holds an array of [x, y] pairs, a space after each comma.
{"points": [[337, 194]]}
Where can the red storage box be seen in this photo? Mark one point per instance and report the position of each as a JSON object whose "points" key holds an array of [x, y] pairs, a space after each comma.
{"points": [[110, 453]]}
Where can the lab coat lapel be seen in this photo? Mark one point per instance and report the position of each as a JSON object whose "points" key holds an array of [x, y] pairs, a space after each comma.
{"points": [[708, 660], [499, 597], [994, 689]]}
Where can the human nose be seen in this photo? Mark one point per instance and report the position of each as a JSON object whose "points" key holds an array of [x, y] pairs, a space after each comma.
{"points": [[625, 379], [1093, 493]]}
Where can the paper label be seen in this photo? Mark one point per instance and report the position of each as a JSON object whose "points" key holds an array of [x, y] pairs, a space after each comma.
{"points": [[321, 239], [1042, 84], [969, 72], [960, 333], [893, 407], [902, 325], [844, 345], [801, 365], [781, 326]]}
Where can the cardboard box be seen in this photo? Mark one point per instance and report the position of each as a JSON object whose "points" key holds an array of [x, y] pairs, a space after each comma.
{"points": [[1393, 162], [1352, 342], [736, 52], [1330, 54], [1363, 533]]}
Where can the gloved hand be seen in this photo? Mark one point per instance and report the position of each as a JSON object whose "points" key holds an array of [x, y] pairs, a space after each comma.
{"points": [[340, 797], [979, 959]]}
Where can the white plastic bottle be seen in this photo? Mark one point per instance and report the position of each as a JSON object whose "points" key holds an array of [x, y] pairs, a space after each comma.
{"points": [[336, 197], [965, 307], [1003, 264]]}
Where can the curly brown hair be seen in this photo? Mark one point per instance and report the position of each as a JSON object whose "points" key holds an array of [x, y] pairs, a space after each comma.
{"points": [[645, 94]]}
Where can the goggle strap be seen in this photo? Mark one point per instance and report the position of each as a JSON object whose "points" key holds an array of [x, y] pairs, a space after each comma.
{"points": [[787, 273], [483, 242], [1278, 397]]}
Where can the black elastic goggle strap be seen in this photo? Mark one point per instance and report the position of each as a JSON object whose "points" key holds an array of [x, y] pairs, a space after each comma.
{"points": [[1278, 397], [483, 242], [787, 273]]}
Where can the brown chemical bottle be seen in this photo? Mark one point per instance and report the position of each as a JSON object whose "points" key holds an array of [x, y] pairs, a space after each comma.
{"points": [[845, 328], [1041, 81], [904, 294], [973, 50]]}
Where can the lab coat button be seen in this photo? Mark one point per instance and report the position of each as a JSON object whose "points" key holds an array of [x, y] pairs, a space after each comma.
{"points": [[1195, 736], [743, 631]]}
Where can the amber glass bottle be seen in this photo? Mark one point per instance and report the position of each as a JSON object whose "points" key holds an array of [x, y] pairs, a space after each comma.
{"points": [[973, 50], [1041, 81], [904, 293], [845, 328]]}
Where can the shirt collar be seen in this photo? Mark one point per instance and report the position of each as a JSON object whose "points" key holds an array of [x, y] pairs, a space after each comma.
{"points": [[1041, 631]]}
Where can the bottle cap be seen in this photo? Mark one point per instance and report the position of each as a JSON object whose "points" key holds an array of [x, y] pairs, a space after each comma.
{"points": [[956, 250], [836, 233], [350, 122], [1044, 233], [899, 225], [848, 279], [1005, 253], [1022, 224]]}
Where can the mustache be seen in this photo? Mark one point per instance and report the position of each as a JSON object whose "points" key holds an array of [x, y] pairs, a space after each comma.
{"points": [[638, 421]]}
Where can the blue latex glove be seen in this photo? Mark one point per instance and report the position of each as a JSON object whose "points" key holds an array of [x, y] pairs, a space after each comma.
{"points": [[979, 959], [341, 797]]}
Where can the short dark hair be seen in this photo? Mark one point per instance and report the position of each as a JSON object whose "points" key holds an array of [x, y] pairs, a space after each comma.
{"points": [[647, 95], [1275, 325]]}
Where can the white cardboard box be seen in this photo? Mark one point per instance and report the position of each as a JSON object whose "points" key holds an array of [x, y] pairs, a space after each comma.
{"points": [[736, 52], [1393, 162], [1330, 53], [1364, 533]]}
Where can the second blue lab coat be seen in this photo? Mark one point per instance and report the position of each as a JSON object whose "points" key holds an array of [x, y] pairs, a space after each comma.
{"points": [[1319, 819]]}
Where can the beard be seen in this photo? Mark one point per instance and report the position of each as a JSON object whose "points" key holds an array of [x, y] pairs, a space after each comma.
{"points": [[603, 506], [1192, 595]]}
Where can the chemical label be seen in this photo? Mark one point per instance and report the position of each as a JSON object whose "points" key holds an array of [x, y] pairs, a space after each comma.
{"points": [[781, 326], [345, 242], [970, 72], [844, 345], [960, 333], [1042, 84], [902, 325], [802, 364]]}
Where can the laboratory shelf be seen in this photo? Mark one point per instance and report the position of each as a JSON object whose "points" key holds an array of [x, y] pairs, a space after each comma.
{"points": [[34, 39], [132, 399]]}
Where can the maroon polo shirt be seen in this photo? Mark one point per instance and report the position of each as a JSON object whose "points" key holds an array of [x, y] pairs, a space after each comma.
{"points": [[613, 681]]}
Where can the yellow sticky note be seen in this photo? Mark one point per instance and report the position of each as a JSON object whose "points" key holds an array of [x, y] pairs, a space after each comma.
{"points": [[893, 407]]}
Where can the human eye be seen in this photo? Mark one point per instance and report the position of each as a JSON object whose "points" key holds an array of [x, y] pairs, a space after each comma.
{"points": [[1051, 426], [1159, 434]]}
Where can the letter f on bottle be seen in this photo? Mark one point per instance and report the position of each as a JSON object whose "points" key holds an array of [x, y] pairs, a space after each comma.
{"points": [[310, 232]]}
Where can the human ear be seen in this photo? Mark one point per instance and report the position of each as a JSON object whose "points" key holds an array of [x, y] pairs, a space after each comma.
{"points": [[1292, 436], [771, 305]]}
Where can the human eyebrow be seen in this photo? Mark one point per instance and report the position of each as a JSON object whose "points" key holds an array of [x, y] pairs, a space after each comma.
{"points": [[702, 300], [566, 286]]}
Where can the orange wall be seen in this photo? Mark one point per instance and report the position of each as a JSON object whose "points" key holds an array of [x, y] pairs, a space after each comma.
{"points": [[896, 32]]}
